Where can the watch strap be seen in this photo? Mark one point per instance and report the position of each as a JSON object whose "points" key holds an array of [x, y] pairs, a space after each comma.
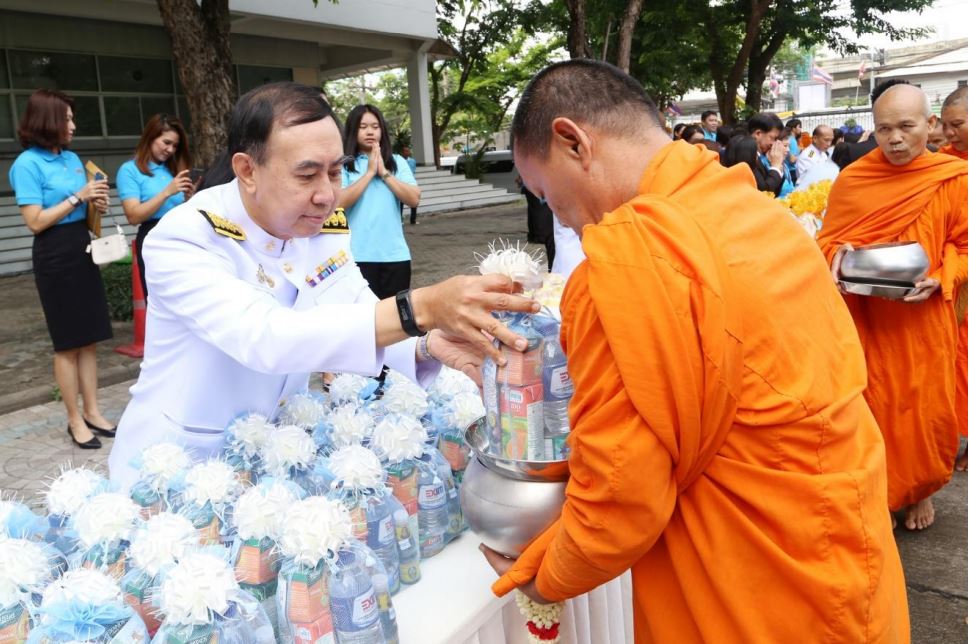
{"points": [[406, 314]]}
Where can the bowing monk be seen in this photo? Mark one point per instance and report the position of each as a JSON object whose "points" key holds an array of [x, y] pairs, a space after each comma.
{"points": [[954, 118], [721, 447], [901, 192]]}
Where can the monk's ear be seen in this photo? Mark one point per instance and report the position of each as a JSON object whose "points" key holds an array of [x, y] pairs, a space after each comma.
{"points": [[931, 121], [572, 140]]}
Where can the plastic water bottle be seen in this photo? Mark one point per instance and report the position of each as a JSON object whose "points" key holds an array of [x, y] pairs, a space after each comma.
{"points": [[432, 510], [353, 602], [455, 522], [407, 547], [557, 385], [380, 536], [384, 606]]}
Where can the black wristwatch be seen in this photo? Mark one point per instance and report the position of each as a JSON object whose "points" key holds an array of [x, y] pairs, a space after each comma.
{"points": [[406, 313]]}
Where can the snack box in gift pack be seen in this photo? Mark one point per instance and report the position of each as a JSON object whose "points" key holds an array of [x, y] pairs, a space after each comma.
{"points": [[256, 564], [265, 594], [403, 479], [149, 500], [208, 525], [453, 448], [307, 601], [522, 367], [110, 562], [358, 522], [136, 594], [522, 423], [198, 634], [14, 624]]}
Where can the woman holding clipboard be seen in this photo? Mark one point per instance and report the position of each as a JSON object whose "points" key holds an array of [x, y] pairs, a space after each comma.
{"points": [[53, 196], [156, 180]]}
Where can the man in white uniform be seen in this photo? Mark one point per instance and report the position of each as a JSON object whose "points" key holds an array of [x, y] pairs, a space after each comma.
{"points": [[254, 287], [818, 151]]}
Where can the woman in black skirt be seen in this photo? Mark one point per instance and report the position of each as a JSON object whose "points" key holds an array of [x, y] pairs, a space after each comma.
{"points": [[52, 192]]}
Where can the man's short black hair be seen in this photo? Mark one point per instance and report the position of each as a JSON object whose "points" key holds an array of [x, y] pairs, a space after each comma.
{"points": [[793, 123], [707, 113], [883, 86], [586, 91], [723, 134], [765, 122], [260, 110]]}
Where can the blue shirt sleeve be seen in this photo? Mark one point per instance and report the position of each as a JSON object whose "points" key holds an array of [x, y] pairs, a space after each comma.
{"points": [[793, 145], [27, 181], [403, 172], [127, 181]]}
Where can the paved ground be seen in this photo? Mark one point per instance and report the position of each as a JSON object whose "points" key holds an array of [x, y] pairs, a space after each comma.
{"points": [[34, 443]]}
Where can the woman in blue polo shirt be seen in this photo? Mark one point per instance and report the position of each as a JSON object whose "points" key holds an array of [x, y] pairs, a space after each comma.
{"points": [[375, 184], [156, 180], [52, 193]]}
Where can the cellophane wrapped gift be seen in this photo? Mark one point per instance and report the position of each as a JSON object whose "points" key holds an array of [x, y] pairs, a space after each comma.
{"points": [[65, 495], [245, 436], [402, 397], [203, 604], [314, 530], [25, 568], [210, 490], [104, 525], [359, 483], [454, 416], [85, 605], [288, 453], [307, 410], [161, 476], [258, 516], [157, 544], [399, 442]]}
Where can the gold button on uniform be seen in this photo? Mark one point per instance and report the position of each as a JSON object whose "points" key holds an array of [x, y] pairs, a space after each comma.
{"points": [[270, 245], [287, 268]]}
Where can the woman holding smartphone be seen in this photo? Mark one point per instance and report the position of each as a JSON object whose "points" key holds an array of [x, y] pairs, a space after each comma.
{"points": [[52, 193], [156, 180]]}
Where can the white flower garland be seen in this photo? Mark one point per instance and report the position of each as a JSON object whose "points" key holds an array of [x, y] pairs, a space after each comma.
{"points": [[162, 541], [24, 569], [71, 489], [197, 589], [397, 438], [105, 518], [542, 620], [314, 529]]}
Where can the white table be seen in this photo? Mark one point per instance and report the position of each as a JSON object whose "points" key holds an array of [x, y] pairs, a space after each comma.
{"points": [[453, 604]]}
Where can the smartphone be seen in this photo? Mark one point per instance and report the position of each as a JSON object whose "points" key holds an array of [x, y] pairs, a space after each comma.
{"points": [[99, 176], [195, 174]]}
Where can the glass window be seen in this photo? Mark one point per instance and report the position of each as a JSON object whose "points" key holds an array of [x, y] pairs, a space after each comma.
{"points": [[184, 115], [3, 71], [122, 115], [250, 76], [32, 70], [152, 105], [7, 127], [87, 114], [135, 75]]}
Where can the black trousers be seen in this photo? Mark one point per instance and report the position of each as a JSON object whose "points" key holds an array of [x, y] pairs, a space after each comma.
{"points": [[143, 230], [386, 279]]}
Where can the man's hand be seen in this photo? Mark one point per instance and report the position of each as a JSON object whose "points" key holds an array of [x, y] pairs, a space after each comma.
{"points": [[924, 289], [837, 264], [462, 307], [776, 154], [500, 564], [457, 353]]}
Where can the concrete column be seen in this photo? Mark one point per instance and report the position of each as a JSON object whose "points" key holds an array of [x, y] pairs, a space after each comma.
{"points": [[419, 106]]}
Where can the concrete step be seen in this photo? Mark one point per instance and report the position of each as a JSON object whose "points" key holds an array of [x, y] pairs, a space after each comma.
{"points": [[433, 180], [478, 201], [427, 193]]}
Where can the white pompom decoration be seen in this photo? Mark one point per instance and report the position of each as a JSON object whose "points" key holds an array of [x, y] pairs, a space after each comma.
{"points": [[464, 409], [357, 468], [71, 489], [287, 447], [259, 512], [513, 262], [197, 588], [162, 541], [213, 481], [407, 399], [24, 569], [350, 425], [303, 410], [163, 462], [451, 382], [314, 529], [248, 434], [84, 586], [105, 518], [346, 388], [397, 438]]}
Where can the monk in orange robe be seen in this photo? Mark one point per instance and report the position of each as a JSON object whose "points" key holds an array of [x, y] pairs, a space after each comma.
{"points": [[900, 192], [721, 446], [954, 119]]}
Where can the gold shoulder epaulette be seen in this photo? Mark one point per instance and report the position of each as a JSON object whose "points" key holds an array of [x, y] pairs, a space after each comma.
{"points": [[223, 226], [336, 223]]}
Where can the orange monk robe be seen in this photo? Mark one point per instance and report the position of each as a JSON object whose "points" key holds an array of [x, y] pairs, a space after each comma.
{"points": [[721, 446], [960, 301], [910, 348]]}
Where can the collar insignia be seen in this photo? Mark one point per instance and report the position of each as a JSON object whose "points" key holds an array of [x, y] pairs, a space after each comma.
{"points": [[223, 226], [336, 223]]}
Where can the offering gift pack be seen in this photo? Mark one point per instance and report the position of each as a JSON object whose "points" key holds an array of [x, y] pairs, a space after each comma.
{"points": [[161, 476]]}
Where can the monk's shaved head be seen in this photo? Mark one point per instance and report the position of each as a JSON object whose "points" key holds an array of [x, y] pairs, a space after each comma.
{"points": [[588, 92], [954, 119], [903, 123]]}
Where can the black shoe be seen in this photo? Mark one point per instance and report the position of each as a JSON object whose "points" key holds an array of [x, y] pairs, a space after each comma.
{"points": [[110, 433], [91, 443]]}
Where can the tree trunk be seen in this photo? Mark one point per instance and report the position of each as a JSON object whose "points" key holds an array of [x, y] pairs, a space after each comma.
{"points": [[726, 85], [577, 40], [758, 69], [199, 34], [625, 41]]}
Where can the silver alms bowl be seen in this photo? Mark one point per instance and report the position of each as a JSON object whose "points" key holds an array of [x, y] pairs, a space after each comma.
{"points": [[506, 502], [895, 263]]}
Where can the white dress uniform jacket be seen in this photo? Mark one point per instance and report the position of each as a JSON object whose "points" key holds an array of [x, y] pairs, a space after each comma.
{"points": [[809, 157], [237, 320]]}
